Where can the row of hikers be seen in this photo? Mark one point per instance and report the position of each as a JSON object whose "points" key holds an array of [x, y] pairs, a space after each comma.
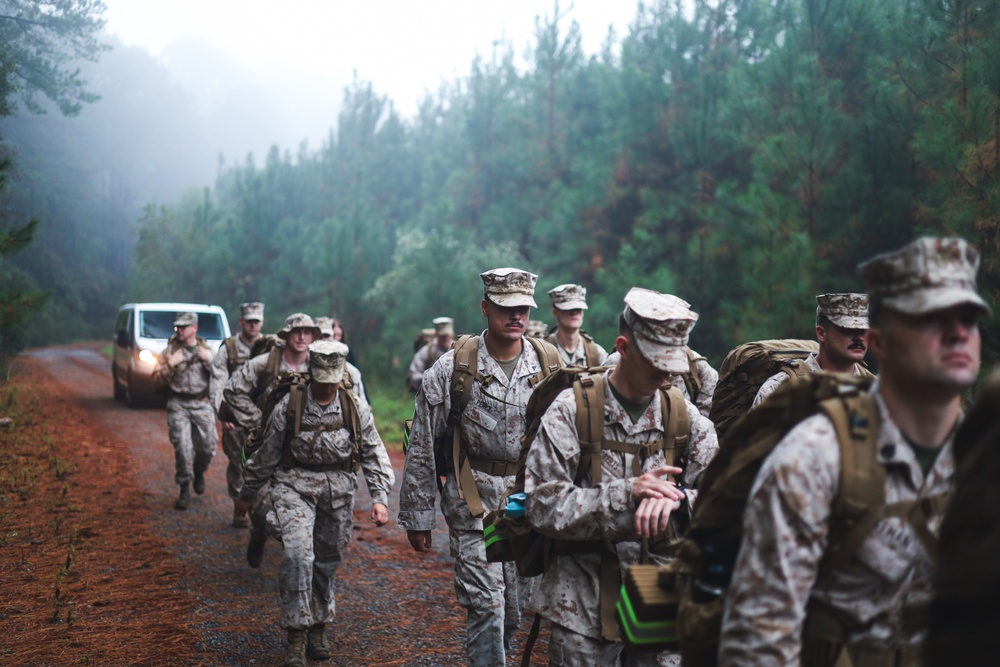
{"points": [[593, 487]]}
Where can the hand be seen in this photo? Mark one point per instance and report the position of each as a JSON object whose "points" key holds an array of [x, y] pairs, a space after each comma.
{"points": [[242, 506], [176, 358], [420, 540], [652, 485], [653, 515], [380, 514], [204, 354]]}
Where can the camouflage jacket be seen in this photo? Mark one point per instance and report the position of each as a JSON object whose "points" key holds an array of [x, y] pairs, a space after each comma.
{"points": [[569, 593], [492, 425], [785, 534], [708, 376], [424, 358], [320, 448], [578, 356], [191, 378], [221, 363]]}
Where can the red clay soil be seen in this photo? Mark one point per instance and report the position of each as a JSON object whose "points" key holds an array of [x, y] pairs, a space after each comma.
{"points": [[96, 568]]}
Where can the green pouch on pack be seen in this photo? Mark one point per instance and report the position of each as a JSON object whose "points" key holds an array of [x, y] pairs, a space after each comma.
{"points": [[647, 608]]}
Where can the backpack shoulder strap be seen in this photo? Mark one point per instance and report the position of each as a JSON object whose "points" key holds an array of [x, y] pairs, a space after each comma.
{"points": [[692, 380], [796, 369], [860, 500], [676, 425], [352, 421], [232, 354], [548, 358], [588, 391], [463, 375], [293, 421]]}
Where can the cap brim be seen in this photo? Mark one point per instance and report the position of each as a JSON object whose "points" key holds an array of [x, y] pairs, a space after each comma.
{"points": [[253, 318], [849, 322], [571, 305], [512, 300], [283, 335], [928, 300], [327, 375], [667, 358]]}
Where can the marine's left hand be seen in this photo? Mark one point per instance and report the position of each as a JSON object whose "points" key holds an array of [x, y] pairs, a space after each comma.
{"points": [[380, 514]]}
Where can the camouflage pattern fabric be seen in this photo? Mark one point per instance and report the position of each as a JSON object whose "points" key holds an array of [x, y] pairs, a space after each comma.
{"points": [[577, 357], [492, 425], [424, 358], [709, 380], [232, 440], [310, 509], [569, 592], [190, 412], [772, 383], [569, 649], [785, 534]]}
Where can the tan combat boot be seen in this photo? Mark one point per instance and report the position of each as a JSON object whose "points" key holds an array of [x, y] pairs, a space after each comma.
{"points": [[317, 647], [296, 654]]}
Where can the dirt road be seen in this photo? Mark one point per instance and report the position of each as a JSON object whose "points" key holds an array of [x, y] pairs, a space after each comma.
{"points": [[394, 607]]}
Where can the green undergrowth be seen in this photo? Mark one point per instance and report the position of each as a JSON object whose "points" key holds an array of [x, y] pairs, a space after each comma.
{"points": [[391, 405]]}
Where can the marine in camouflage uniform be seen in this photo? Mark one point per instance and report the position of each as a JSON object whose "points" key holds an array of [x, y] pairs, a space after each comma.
{"points": [[708, 378], [426, 356], [623, 508], [311, 481], [328, 328], [233, 353], [842, 332], [871, 610], [185, 369], [568, 303], [491, 428]]}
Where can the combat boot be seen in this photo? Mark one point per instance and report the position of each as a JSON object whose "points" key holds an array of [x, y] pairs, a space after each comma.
{"points": [[240, 521], [317, 647], [182, 500], [255, 546], [199, 482], [296, 654]]}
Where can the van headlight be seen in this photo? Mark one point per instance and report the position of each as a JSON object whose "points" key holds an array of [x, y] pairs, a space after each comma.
{"points": [[147, 357]]}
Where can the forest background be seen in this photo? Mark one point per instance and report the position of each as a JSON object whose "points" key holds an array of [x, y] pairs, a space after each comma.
{"points": [[742, 154]]}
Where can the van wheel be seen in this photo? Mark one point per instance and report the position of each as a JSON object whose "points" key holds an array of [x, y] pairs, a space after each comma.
{"points": [[131, 396], [119, 391]]}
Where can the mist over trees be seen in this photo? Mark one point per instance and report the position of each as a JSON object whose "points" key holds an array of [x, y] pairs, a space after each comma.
{"points": [[743, 155]]}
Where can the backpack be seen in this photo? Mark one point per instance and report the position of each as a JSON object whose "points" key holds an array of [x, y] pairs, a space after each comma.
{"points": [[286, 382], [507, 533], [464, 374], [746, 368], [161, 382], [707, 556]]}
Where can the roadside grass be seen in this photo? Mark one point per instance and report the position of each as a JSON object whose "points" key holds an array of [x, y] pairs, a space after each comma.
{"points": [[391, 406]]}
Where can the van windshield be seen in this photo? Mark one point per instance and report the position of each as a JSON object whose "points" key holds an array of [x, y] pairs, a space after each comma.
{"points": [[160, 324]]}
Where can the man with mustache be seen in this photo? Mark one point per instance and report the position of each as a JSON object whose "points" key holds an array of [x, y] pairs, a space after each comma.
{"points": [[783, 606], [842, 332], [490, 428]]}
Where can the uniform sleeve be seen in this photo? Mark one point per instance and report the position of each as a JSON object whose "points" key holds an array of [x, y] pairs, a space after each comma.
{"points": [[238, 389], [785, 534], [260, 466], [709, 378], [220, 365], [359, 385], [770, 386], [375, 463], [419, 485], [555, 505], [602, 355]]}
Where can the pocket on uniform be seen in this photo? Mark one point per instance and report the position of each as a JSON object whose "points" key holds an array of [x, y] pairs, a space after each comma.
{"points": [[478, 415]]}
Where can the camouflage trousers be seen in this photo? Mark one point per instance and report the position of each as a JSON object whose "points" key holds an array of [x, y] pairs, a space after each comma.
{"points": [[315, 526], [191, 425], [571, 649], [493, 595], [232, 446]]}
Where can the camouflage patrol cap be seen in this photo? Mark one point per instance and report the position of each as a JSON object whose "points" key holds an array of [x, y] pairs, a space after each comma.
{"points": [[325, 325], [510, 287], [536, 329], [326, 361], [661, 324], [298, 321], [252, 311], [444, 326], [569, 297], [186, 320], [926, 275], [848, 310]]}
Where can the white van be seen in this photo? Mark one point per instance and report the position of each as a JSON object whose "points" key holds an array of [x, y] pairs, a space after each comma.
{"points": [[142, 331]]}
